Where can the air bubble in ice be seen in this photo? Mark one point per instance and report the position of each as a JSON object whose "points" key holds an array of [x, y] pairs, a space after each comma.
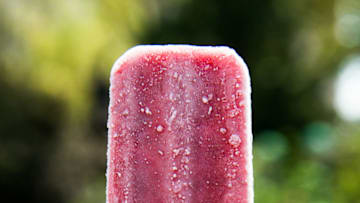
{"points": [[181, 196], [223, 130], [205, 99], [172, 114], [187, 151], [210, 96], [210, 110], [233, 113], [147, 111], [125, 112], [159, 128], [235, 140], [176, 152]]}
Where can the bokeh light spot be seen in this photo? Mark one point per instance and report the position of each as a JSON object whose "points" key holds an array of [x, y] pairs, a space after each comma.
{"points": [[347, 22], [319, 137], [347, 91], [347, 30], [271, 145]]}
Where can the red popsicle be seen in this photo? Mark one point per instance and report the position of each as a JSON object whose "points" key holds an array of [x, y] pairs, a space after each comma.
{"points": [[179, 126]]}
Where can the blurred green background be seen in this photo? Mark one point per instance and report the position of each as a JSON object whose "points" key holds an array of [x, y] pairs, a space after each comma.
{"points": [[304, 60]]}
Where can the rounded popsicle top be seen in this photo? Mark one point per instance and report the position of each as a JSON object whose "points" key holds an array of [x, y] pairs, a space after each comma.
{"points": [[142, 50]]}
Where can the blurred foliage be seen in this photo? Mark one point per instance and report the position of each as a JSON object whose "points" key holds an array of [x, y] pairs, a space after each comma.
{"points": [[55, 59]]}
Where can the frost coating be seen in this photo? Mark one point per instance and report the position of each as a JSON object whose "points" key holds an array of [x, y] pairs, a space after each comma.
{"points": [[193, 115]]}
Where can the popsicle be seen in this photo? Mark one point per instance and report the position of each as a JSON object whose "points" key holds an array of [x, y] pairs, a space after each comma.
{"points": [[179, 126]]}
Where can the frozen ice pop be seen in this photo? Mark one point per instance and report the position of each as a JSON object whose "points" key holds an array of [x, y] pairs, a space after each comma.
{"points": [[179, 126]]}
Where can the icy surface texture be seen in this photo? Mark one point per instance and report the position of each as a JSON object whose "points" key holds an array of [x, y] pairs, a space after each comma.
{"points": [[179, 126]]}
